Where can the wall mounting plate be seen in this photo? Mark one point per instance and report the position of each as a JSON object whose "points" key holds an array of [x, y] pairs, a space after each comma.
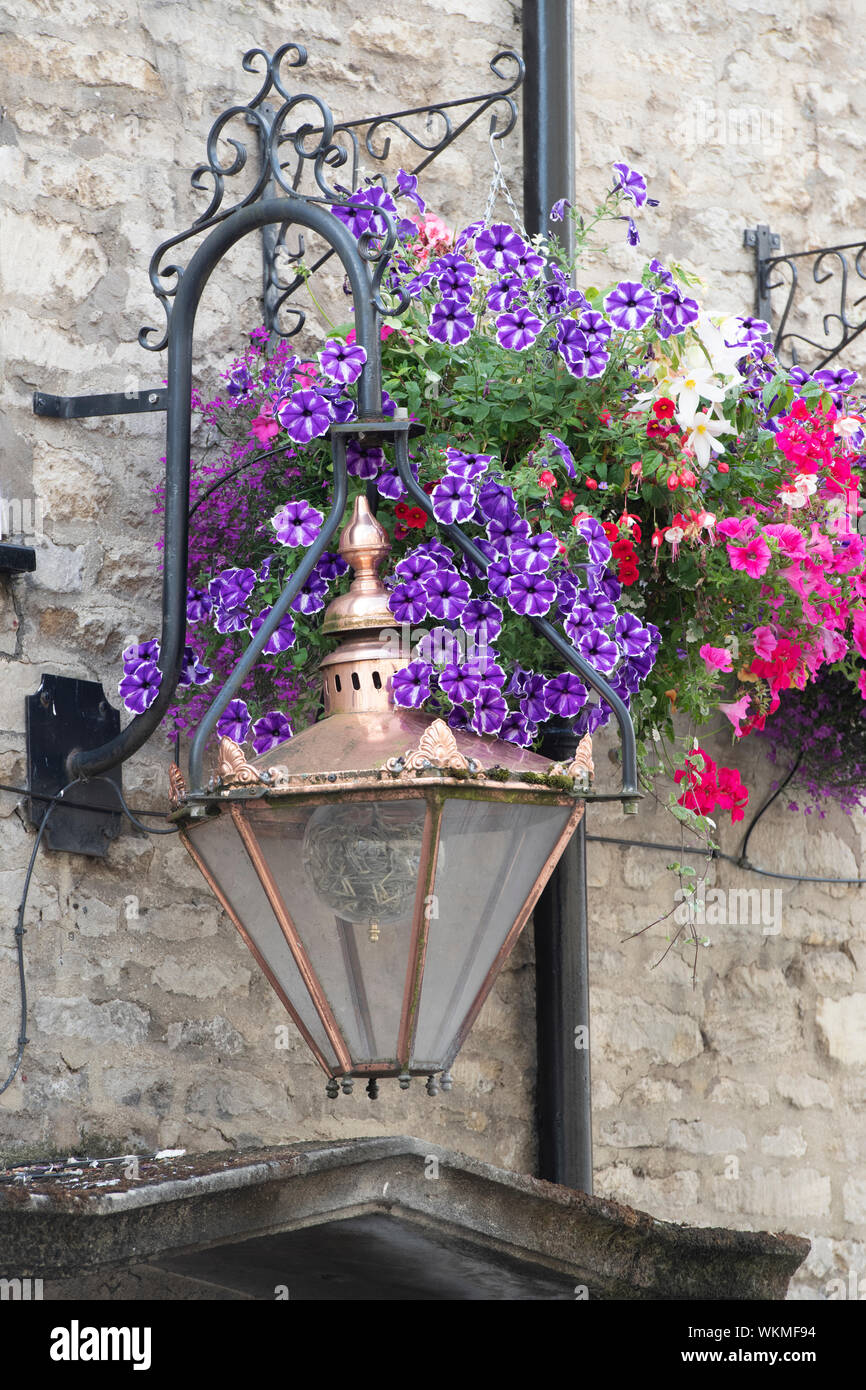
{"points": [[67, 714], [17, 559]]}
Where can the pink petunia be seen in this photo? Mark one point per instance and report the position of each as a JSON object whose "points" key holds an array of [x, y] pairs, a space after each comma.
{"points": [[737, 712], [860, 632], [716, 658], [792, 543], [753, 557], [861, 683], [764, 640], [736, 529]]}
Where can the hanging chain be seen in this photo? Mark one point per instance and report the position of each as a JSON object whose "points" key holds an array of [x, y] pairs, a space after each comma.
{"points": [[498, 185]]}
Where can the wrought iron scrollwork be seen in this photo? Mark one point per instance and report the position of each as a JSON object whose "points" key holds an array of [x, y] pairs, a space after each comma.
{"points": [[302, 134], [846, 263]]}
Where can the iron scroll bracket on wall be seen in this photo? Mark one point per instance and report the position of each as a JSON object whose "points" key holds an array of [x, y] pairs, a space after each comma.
{"points": [[846, 264], [297, 142]]}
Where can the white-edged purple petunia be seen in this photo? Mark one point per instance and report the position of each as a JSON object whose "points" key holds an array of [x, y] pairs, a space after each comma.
{"points": [[407, 187], [631, 183], [140, 686], [453, 500], [531, 594], [311, 597], [534, 554], [451, 322], [488, 711], [192, 672], [408, 602], [281, 639], [565, 454], [517, 330], [234, 722], [305, 415], [633, 638], [364, 463], [460, 682], [630, 304], [483, 619], [411, 685], [297, 523], [271, 729], [342, 362], [447, 594], [198, 605], [597, 648], [415, 565], [439, 646], [500, 247], [565, 694]]}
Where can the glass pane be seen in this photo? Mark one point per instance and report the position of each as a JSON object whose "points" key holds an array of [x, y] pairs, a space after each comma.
{"points": [[490, 855], [223, 853], [348, 874]]}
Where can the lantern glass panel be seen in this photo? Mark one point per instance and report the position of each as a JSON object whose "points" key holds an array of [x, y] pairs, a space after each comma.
{"points": [[348, 874], [223, 854], [490, 857]]}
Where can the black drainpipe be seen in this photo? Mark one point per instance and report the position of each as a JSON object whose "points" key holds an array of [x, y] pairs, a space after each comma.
{"points": [[563, 1103]]}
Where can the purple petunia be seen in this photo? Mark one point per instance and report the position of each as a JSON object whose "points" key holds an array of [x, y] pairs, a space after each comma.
{"points": [[599, 650], [297, 523], [310, 598], [484, 619], [505, 293], [565, 454], [503, 534], [271, 729], [489, 710], [191, 671], [500, 247], [279, 641], [140, 687], [451, 322], [496, 501], [631, 183], [408, 602], [596, 327], [415, 565], [630, 305], [534, 704], [500, 573], [632, 637], [558, 211], [331, 566], [598, 604], [565, 694], [361, 462], [304, 416], [453, 500], [518, 330], [516, 728], [677, 312], [232, 587], [579, 623], [134, 655], [439, 646], [198, 605], [534, 554], [597, 543], [447, 594], [407, 187], [342, 362], [460, 682], [411, 685], [234, 722], [531, 594]]}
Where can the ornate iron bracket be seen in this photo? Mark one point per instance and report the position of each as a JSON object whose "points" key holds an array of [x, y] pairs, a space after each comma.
{"points": [[298, 138], [849, 258]]}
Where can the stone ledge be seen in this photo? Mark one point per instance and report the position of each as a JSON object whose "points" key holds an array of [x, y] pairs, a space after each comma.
{"points": [[52, 1231]]}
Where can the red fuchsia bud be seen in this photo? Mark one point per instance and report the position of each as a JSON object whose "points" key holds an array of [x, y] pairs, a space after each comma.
{"points": [[723, 467], [605, 417], [591, 484], [567, 500], [547, 479], [673, 482], [657, 538], [688, 479]]}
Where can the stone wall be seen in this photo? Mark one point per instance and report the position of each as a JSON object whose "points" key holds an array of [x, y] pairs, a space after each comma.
{"points": [[738, 1101]]}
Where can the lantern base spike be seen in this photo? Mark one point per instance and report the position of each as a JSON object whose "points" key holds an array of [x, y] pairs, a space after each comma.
{"points": [[432, 1085], [373, 1088], [332, 1090], [346, 1084], [405, 1081]]}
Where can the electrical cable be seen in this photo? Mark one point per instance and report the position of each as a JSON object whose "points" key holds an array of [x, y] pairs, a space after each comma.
{"points": [[19, 936], [75, 805], [730, 858]]}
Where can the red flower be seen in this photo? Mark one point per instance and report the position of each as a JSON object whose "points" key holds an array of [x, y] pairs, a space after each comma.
{"points": [[547, 479], [417, 517], [566, 501], [611, 530], [664, 408], [591, 484]]}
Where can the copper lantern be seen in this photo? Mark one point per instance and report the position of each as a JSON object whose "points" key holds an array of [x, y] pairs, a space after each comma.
{"points": [[379, 865]]}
